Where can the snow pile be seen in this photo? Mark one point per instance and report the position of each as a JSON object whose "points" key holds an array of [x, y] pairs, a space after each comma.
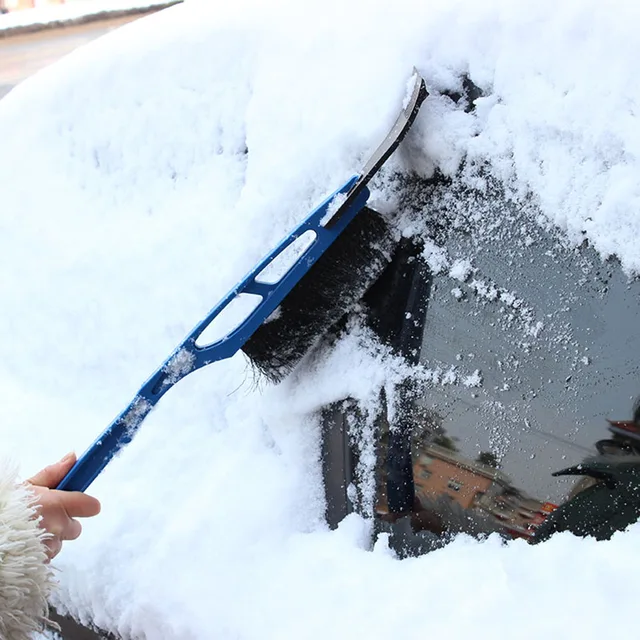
{"points": [[148, 171]]}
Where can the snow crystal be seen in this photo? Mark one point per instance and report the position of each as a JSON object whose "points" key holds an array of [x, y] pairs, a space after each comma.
{"points": [[180, 364], [450, 377], [136, 414], [474, 380], [509, 298], [535, 329], [436, 257], [461, 269], [485, 290]]}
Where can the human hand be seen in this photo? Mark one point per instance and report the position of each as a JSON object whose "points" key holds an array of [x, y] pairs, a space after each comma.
{"points": [[58, 509]]}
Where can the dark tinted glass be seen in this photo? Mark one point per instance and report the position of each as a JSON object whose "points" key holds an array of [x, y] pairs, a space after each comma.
{"points": [[536, 355]]}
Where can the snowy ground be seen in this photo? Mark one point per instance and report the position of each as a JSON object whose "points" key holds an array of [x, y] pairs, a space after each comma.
{"points": [[71, 13], [144, 174]]}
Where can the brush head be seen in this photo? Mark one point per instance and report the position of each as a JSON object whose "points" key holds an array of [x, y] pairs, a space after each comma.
{"points": [[330, 289]]}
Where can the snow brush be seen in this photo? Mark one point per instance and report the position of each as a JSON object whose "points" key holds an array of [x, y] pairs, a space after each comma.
{"points": [[345, 256]]}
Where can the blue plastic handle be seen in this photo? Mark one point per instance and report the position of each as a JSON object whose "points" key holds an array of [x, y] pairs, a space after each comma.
{"points": [[188, 357]]}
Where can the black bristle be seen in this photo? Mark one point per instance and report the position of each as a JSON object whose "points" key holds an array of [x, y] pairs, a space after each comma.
{"points": [[331, 288]]}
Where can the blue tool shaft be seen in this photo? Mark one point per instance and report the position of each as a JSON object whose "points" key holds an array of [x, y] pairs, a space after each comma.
{"points": [[189, 357], [326, 222]]}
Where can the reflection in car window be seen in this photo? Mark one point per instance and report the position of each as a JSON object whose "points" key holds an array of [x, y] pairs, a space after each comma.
{"points": [[531, 345]]}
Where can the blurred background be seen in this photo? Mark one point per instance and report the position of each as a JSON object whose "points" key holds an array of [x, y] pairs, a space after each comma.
{"points": [[35, 33], [13, 5]]}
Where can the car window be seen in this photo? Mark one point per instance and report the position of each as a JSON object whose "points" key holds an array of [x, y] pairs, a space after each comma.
{"points": [[534, 350], [520, 419]]}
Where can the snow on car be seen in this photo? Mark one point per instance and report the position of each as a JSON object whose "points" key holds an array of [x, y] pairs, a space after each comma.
{"points": [[147, 172]]}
